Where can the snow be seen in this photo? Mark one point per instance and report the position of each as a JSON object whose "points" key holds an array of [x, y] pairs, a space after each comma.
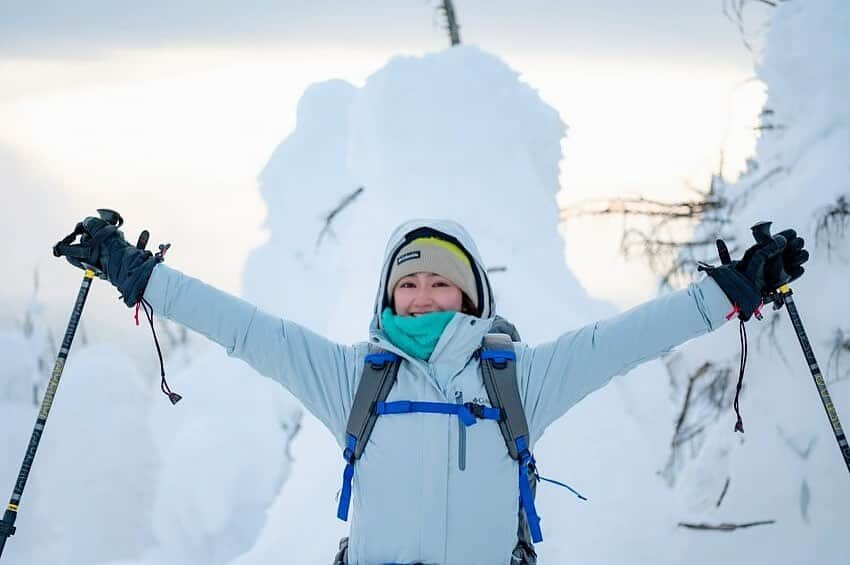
{"points": [[224, 457], [787, 465], [238, 474], [94, 469]]}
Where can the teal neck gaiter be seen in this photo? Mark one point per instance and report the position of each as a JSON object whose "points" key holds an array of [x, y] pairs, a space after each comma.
{"points": [[416, 336]]}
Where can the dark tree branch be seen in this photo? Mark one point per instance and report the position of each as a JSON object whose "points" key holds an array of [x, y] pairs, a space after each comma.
{"points": [[734, 12], [767, 175], [668, 255], [448, 9], [723, 492], [690, 424], [801, 452], [840, 349], [687, 401], [333, 213], [686, 436], [643, 207], [832, 223], [773, 321], [725, 526]]}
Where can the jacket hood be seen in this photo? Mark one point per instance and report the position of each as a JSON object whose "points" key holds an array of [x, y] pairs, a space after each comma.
{"points": [[446, 229]]}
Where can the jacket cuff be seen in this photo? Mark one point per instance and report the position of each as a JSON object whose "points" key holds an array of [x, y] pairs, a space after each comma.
{"points": [[156, 289], [715, 305]]}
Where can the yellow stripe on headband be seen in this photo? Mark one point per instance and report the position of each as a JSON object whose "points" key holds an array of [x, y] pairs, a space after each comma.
{"points": [[445, 245]]}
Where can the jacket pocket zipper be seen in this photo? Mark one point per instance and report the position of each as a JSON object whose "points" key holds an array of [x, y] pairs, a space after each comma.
{"points": [[461, 436]]}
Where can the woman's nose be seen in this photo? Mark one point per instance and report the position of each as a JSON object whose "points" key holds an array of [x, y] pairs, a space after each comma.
{"points": [[423, 294]]}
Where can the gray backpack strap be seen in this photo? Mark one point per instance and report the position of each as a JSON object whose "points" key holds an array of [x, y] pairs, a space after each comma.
{"points": [[379, 373], [498, 370], [502, 326], [500, 380]]}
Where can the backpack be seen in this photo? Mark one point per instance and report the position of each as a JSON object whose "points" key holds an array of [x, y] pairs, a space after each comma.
{"points": [[498, 371]]}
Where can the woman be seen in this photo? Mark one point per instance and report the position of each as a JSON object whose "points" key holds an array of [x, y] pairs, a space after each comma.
{"points": [[429, 488]]}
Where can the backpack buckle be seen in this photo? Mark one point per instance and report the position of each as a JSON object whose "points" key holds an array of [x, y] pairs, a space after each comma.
{"points": [[498, 357], [476, 409], [379, 360]]}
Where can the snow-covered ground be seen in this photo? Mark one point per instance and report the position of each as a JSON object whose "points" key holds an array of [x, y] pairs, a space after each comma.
{"points": [[237, 474]]}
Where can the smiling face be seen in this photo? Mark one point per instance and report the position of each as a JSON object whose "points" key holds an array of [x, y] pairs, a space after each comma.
{"points": [[421, 293]]}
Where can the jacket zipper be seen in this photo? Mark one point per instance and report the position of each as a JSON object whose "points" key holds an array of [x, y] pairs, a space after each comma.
{"points": [[461, 436]]}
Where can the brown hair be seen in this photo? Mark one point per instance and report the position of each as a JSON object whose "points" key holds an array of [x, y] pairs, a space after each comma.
{"points": [[467, 307]]}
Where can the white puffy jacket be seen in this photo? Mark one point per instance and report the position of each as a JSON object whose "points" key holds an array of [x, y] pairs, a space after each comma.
{"points": [[411, 502]]}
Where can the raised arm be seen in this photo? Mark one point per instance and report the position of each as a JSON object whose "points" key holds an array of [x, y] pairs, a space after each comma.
{"points": [[319, 372], [557, 375]]}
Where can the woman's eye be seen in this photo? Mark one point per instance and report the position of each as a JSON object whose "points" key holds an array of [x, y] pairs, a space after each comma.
{"points": [[407, 285], [440, 283]]}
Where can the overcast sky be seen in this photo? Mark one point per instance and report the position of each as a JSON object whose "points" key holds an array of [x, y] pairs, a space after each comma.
{"points": [[669, 28]]}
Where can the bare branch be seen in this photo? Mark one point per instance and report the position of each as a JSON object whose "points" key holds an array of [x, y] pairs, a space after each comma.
{"points": [[734, 12], [840, 349], [667, 253], [686, 436], [448, 9], [723, 492], [673, 260], [724, 526], [773, 322], [333, 213], [643, 207], [767, 175], [832, 223], [801, 452], [705, 397], [686, 402], [805, 500]]}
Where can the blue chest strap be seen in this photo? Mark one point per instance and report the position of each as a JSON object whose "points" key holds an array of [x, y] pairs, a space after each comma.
{"points": [[467, 413]]}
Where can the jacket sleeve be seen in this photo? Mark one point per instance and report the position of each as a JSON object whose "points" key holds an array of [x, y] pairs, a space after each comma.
{"points": [[317, 371], [555, 376]]}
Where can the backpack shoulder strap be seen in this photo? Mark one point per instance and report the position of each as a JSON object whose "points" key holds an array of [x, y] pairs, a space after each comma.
{"points": [[379, 374], [380, 369], [498, 370]]}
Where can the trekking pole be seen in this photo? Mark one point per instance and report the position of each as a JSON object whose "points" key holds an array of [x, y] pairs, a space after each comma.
{"points": [[782, 296], [7, 524]]}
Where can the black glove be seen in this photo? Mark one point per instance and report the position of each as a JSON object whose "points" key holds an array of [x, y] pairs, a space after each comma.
{"points": [[788, 267], [765, 267], [103, 248]]}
